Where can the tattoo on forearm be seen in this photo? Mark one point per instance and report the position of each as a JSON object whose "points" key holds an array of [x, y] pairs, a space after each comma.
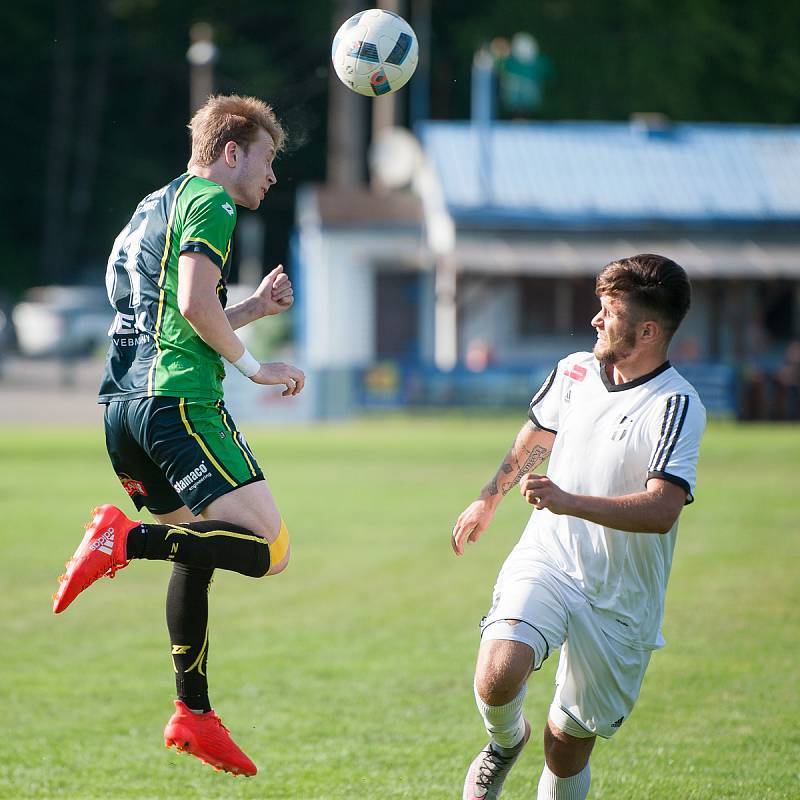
{"points": [[518, 462], [491, 488], [534, 457]]}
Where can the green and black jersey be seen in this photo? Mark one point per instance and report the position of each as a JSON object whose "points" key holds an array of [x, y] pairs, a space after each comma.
{"points": [[154, 350]]}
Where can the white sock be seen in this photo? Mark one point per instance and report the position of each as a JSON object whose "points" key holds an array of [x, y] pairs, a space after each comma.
{"points": [[504, 723], [576, 787]]}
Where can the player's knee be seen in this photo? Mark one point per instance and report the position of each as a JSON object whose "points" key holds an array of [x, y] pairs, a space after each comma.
{"points": [[496, 689], [503, 667], [496, 685], [565, 755], [279, 551]]}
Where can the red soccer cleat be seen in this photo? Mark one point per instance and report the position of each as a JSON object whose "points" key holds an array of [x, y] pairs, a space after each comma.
{"points": [[102, 552], [204, 736]]}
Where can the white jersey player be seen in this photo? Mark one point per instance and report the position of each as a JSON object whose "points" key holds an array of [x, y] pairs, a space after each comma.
{"points": [[622, 429]]}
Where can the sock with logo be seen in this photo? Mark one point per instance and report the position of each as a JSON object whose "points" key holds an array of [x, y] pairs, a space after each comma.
{"points": [[209, 544], [576, 787], [187, 622]]}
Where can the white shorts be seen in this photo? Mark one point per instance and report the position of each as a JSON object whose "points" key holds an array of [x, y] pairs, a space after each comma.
{"points": [[598, 678]]}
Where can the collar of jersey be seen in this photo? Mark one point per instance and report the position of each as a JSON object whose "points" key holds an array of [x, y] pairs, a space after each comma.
{"points": [[621, 387]]}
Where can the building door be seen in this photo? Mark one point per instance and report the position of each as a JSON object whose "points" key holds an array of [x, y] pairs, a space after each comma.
{"points": [[397, 316]]}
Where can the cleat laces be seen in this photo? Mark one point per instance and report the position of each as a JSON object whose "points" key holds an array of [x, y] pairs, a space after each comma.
{"points": [[115, 568], [219, 723], [493, 766]]}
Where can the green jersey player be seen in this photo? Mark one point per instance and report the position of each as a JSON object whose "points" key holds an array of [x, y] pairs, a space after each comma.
{"points": [[170, 438]]}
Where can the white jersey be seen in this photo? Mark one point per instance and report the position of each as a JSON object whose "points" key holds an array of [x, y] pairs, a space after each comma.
{"points": [[611, 439]]}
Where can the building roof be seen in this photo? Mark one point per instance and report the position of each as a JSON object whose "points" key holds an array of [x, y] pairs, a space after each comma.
{"points": [[359, 206], [571, 256], [601, 174]]}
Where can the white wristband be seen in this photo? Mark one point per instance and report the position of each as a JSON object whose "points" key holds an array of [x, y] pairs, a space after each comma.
{"points": [[247, 364]]}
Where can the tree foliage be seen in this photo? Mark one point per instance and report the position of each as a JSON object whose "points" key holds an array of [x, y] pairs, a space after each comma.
{"points": [[693, 60], [96, 93]]}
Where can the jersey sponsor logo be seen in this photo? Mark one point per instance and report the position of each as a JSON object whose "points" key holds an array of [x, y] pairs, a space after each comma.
{"points": [[129, 330], [622, 429], [576, 372], [132, 486], [228, 207], [198, 474], [131, 341], [129, 323], [105, 544]]}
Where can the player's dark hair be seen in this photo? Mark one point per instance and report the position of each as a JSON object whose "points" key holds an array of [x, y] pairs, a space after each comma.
{"points": [[651, 285], [226, 118]]}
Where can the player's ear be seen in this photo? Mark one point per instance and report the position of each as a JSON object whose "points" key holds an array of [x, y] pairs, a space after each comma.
{"points": [[230, 153], [650, 331]]}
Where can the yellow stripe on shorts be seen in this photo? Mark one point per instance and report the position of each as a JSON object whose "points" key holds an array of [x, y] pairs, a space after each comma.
{"points": [[235, 435], [202, 444]]}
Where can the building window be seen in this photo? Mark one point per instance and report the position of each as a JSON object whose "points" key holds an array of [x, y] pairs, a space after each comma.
{"points": [[537, 306], [397, 318], [778, 301], [585, 304], [556, 306]]}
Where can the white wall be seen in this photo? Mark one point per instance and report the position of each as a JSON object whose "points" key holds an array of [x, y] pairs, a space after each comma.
{"points": [[338, 283]]}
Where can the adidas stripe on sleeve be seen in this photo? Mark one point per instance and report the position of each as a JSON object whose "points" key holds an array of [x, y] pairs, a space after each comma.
{"points": [[680, 428]]}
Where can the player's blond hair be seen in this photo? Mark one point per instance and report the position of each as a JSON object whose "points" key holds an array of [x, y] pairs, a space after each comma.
{"points": [[226, 118]]}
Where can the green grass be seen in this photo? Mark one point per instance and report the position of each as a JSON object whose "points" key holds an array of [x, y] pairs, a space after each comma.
{"points": [[349, 676]]}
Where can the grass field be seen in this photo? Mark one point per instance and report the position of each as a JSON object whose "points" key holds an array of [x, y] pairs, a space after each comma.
{"points": [[349, 676]]}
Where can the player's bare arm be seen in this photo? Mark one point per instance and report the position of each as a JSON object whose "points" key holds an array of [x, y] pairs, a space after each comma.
{"points": [[531, 447], [651, 511], [273, 295], [198, 303]]}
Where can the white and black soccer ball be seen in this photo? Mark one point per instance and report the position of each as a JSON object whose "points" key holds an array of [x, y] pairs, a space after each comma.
{"points": [[375, 52]]}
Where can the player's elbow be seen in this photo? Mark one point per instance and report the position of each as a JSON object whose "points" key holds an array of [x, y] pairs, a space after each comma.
{"points": [[663, 529], [664, 522], [191, 309], [666, 503]]}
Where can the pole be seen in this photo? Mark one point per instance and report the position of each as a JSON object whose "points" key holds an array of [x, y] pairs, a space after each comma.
{"points": [[201, 55], [420, 86], [441, 235], [346, 120], [384, 109]]}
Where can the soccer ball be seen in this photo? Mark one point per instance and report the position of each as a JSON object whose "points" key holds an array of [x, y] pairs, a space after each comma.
{"points": [[375, 52]]}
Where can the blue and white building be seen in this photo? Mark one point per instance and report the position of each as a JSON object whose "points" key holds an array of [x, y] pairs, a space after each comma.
{"points": [[538, 209]]}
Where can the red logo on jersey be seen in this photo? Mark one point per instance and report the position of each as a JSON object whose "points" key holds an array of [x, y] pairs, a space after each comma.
{"points": [[132, 486], [576, 372]]}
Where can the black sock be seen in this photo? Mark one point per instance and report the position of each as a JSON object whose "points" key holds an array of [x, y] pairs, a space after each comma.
{"points": [[187, 622], [208, 545]]}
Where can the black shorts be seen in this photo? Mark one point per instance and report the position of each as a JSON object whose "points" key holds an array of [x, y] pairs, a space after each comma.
{"points": [[172, 451]]}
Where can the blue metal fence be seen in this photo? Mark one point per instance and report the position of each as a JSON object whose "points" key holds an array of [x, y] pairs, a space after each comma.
{"points": [[389, 385]]}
